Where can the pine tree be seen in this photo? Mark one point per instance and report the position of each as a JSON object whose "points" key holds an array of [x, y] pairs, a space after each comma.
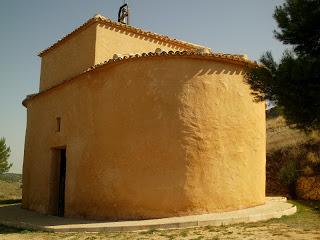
{"points": [[293, 83], [4, 156], [299, 26]]}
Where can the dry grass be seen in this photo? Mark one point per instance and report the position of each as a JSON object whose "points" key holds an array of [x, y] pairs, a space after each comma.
{"points": [[303, 225], [285, 145], [280, 135], [10, 191]]}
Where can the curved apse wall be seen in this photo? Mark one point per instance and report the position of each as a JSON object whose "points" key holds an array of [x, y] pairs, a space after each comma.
{"points": [[159, 137]]}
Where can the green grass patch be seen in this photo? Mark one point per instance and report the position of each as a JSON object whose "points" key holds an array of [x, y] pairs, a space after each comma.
{"points": [[198, 238], [306, 218], [184, 233], [151, 231]]}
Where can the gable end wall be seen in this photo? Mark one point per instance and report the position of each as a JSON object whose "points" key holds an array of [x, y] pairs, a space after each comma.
{"points": [[95, 44], [68, 59], [112, 41]]}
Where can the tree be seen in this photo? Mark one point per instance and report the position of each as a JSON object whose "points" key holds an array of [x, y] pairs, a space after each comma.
{"points": [[293, 83], [299, 25], [4, 156]]}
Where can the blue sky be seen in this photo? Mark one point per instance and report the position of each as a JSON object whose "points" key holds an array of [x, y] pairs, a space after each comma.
{"points": [[27, 27]]}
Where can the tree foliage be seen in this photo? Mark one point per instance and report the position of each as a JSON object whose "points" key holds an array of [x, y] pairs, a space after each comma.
{"points": [[4, 156], [293, 83], [299, 25]]}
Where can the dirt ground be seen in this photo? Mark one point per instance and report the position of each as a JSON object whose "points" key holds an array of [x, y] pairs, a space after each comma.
{"points": [[305, 224], [249, 231]]}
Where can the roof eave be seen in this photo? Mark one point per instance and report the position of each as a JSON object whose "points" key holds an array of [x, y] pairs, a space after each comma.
{"points": [[233, 59]]}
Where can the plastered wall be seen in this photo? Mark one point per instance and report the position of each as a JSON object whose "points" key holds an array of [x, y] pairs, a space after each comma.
{"points": [[92, 45], [68, 59], [112, 41], [148, 138]]}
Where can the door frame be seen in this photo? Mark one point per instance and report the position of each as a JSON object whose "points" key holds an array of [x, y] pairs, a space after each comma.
{"points": [[54, 207]]}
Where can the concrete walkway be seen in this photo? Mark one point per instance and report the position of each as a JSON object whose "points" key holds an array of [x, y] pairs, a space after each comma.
{"points": [[14, 216]]}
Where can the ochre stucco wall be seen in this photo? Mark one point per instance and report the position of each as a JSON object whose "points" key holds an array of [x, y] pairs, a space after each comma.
{"points": [[148, 138], [69, 59], [112, 41], [94, 44]]}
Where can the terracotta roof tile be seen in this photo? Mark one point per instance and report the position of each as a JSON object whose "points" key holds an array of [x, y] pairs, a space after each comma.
{"points": [[235, 58]]}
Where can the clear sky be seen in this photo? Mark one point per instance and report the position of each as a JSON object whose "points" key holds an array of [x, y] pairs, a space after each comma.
{"points": [[27, 27]]}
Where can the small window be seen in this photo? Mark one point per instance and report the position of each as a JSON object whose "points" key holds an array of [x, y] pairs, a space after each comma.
{"points": [[58, 124]]}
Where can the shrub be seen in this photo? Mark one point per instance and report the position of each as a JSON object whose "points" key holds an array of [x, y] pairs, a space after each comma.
{"points": [[288, 173]]}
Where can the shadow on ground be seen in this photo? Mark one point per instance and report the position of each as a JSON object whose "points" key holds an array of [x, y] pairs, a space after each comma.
{"points": [[312, 205], [10, 201], [6, 230]]}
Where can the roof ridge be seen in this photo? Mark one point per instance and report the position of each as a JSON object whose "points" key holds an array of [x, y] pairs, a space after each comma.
{"points": [[101, 19]]}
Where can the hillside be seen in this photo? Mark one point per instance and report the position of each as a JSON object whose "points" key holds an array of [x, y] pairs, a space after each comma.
{"points": [[280, 135], [285, 145]]}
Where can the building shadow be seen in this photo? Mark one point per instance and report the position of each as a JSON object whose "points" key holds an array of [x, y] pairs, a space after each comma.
{"points": [[7, 230]]}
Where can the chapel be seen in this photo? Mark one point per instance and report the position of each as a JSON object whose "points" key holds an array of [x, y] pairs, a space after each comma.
{"points": [[131, 124]]}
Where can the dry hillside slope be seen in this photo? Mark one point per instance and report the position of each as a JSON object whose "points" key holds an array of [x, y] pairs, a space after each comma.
{"points": [[289, 147], [280, 135]]}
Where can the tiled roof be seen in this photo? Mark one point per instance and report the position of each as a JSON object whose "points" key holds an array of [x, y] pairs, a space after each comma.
{"points": [[232, 58], [101, 19], [219, 57]]}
